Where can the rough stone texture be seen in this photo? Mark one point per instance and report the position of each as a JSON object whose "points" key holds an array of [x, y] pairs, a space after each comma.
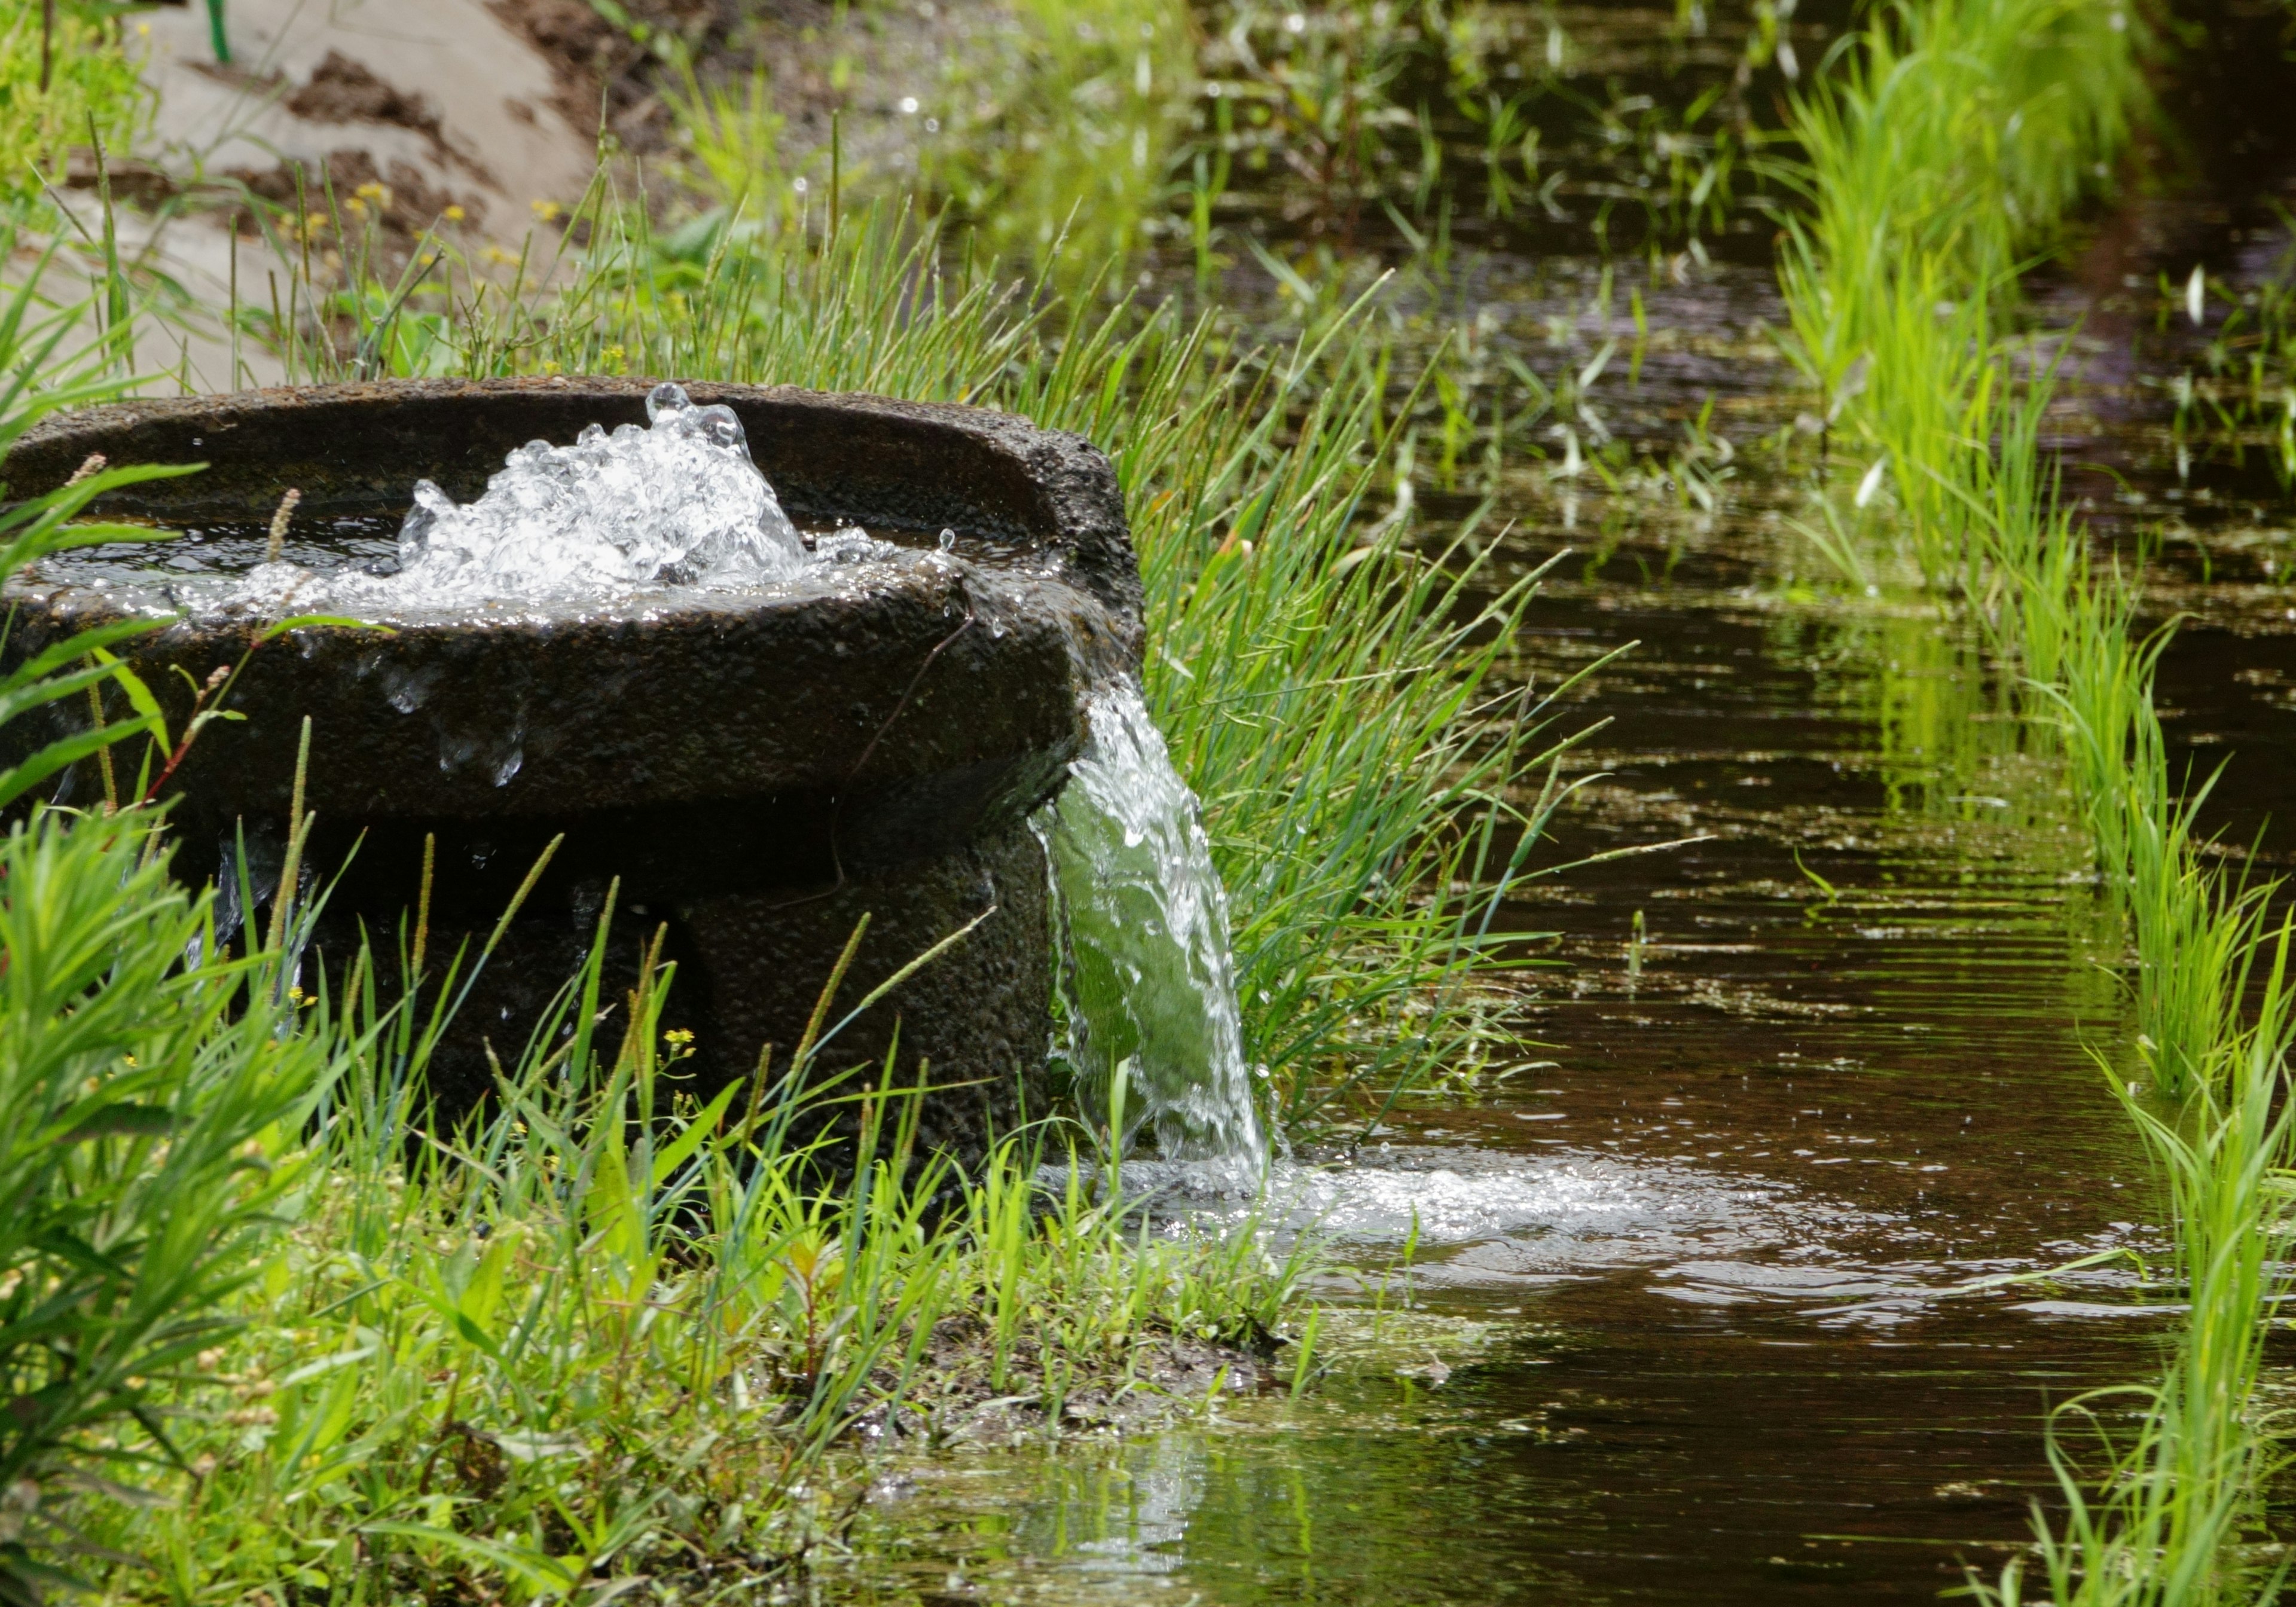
{"points": [[755, 774]]}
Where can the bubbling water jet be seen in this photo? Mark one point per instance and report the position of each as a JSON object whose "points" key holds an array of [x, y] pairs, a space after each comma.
{"points": [[675, 502]]}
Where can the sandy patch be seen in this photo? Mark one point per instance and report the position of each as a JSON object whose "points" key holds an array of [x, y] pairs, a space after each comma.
{"points": [[439, 102]]}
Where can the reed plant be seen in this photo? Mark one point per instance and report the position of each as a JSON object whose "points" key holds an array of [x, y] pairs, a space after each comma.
{"points": [[1954, 139]]}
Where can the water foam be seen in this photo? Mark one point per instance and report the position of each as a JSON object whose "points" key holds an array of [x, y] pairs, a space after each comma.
{"points": [[675, 502], [1493, 1215]]}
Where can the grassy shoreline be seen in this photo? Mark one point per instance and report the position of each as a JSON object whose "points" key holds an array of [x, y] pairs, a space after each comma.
{"points": [[1956, 137], [605, 1335]]}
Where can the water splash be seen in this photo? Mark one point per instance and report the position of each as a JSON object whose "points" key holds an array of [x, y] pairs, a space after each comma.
{"points": [[675, 502], [1156, 1034]]}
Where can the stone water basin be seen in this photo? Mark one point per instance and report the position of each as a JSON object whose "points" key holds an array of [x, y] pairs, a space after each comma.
{"points": [[758, 769]]}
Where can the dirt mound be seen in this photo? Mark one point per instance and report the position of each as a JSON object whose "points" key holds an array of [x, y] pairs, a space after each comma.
{"points": [[405, 202], [343, 91], [602, 70]]}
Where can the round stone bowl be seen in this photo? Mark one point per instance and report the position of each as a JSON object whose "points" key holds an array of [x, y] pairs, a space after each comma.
{"points": [[749, 775]]}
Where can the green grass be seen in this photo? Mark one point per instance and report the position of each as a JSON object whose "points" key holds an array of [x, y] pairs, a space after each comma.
{"points": [[92, 87], [1954, 139], [1951, 139], [605, 1332], [259, 1335], [1046, 129]]}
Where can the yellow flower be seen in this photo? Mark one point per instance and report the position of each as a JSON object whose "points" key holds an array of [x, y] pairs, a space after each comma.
{"points": [[547, 210], [454, 214], [355, 206], [378, 193]]}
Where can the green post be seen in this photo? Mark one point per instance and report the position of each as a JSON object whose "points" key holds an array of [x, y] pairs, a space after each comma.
{"points": [[215, 32]]}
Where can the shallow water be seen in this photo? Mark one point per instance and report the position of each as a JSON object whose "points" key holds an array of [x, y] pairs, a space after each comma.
{"points": [[1678, 1310], [1707, 1249]]}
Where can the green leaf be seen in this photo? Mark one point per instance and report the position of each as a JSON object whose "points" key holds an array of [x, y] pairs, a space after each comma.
{"points": [[139, 695], [676, 1154], [73, 648], [19, 779], [124, 1121], [23, 1580], [334, 621], [537, 1570]]}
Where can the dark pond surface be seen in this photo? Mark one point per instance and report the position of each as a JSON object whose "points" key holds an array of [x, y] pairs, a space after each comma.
{"points": [[1679, 1322]]}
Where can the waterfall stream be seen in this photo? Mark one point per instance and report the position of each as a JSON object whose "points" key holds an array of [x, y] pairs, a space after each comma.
{"points": [[1155, 1030]]}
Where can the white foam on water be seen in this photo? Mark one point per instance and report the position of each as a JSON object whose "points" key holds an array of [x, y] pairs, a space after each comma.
{"points": [[674, 504], [1487, 1212], [1491, 1219]]}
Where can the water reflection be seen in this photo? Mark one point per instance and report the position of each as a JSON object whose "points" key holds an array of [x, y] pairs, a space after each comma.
{"points": [[1686, 1313]]}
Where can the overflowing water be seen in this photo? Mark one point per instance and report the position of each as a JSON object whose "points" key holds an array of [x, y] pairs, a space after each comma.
{"points": [[677, 502], [1155, 1030]]}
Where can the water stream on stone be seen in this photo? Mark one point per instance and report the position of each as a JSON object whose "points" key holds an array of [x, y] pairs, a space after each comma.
{"points": [[1154, 1030], [651, 513]]}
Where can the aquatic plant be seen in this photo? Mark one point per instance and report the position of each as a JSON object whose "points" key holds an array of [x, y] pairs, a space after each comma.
{"points": [[1956, 136]]}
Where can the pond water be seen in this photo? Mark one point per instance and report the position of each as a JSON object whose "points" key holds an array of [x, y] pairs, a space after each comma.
{"points": [[1686, 1317]]}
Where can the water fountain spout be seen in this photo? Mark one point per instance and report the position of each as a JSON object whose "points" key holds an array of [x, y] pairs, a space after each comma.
{"points": [[755, 760]]}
